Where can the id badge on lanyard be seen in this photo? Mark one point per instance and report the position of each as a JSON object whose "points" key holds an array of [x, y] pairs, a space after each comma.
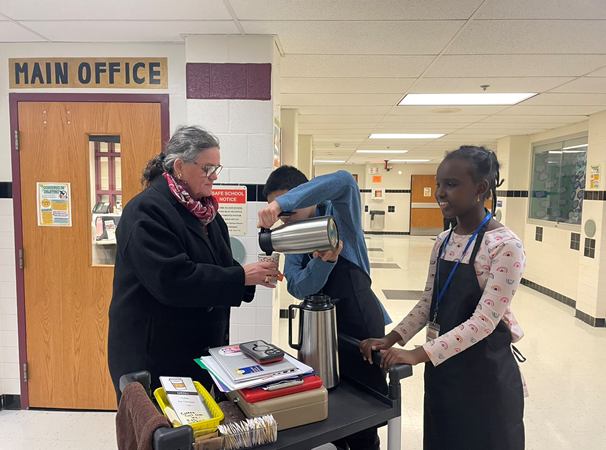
{"points": [[433, 331], [433, 328]]}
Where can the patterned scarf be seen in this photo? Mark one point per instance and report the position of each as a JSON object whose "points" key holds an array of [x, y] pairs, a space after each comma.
{"points": [[205, 209]]}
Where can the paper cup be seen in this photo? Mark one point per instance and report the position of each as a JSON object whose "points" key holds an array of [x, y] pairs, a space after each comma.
{"points": [[273, 258]]}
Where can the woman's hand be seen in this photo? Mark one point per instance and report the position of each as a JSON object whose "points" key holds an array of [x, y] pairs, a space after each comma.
{"points": [[329, 255], [395, 356], [261, 273], [269, 215], [368, 346]]}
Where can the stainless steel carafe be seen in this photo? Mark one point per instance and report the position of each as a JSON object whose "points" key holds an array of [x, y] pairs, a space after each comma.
{"points": [[303, 236], [317, 345]]}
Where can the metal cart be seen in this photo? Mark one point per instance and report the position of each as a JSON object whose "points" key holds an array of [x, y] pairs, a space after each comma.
{"points": [[352, 407]]}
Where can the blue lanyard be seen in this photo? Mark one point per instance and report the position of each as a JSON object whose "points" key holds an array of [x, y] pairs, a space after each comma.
{"points": [[443, 291]]}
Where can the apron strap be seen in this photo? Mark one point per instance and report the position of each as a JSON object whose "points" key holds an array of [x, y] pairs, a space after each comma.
{"points": [[518, 354]]}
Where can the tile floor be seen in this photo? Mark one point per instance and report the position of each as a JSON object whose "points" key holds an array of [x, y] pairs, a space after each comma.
{"points": [[565, 372]]}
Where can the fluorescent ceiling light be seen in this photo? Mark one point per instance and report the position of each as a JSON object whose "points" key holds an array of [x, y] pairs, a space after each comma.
{"points": [[408, 160], [574, 146], [327, 161], [404, 136], [464, 99], [381, 151]]}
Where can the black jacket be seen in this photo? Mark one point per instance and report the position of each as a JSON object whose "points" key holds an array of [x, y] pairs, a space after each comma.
{"points": [[173, 288]]}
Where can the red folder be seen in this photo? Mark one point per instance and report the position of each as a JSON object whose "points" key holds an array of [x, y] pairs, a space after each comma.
{"points": [[257, 395]]}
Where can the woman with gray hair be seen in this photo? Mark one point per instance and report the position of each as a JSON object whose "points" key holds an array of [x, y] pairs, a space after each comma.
{"points": [[175, 279]]}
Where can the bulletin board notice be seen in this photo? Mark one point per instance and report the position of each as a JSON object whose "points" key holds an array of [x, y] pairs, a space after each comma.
{"points": [[232, 206], [54, 204]]}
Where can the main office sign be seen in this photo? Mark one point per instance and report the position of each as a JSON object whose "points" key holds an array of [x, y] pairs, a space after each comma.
{"points": [[119, 73]]}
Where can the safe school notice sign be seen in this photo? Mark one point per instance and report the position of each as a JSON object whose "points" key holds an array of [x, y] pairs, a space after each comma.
{"points": [[232, 206], [120, 73]]}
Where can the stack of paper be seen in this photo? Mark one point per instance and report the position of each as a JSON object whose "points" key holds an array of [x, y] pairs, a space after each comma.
{"points": [[233, 370]]}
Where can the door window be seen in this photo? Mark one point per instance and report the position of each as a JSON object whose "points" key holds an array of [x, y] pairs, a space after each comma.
{"points": [[106, 196]]}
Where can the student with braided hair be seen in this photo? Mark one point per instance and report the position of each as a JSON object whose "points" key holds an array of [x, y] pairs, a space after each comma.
{"points": [[474, 390]]}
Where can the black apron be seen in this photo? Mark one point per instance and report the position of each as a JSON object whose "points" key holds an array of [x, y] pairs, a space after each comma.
{"points": [[475, 399], [359, 315]]}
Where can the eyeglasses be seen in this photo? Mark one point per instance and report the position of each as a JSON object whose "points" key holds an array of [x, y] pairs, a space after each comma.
{"points": [[210, 169]]}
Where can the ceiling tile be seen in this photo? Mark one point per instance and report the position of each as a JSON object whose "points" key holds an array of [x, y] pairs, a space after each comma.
{"points": [[127, 31], [12, 32], [335, 126], [417, 128], [531, 36], [344, 110], [511, 126], [598, 73], [345, 85], [542, 9], [339, 99], [353, 10], [353, 66], [499, 118], [585, 85], [553, 110], [434, 118], [337, 118], [358, 37], [115, 9], [427, 110], [476, 66], [496, 85]]}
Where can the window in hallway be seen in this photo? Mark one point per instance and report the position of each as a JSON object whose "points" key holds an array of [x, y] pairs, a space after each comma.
{"points": [[558, 181]]}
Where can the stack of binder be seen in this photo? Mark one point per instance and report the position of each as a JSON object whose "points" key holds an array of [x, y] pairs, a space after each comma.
{"points": [[232, 370], [257, 388]]}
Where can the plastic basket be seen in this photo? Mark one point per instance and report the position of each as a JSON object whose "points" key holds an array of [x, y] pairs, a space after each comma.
{"points": [[205, 426]]}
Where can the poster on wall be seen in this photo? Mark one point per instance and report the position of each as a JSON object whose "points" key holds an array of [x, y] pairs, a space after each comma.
{"points": [[277, 139], [355, 175], [232, 206], [376, 179], [427, 192], [54, 204], [595, 177]]}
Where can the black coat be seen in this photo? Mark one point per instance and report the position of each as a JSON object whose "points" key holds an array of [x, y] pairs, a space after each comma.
{"points": [[173, 288]]}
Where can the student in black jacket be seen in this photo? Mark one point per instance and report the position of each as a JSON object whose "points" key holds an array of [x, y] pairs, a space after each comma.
{"points": [[175, 279]]}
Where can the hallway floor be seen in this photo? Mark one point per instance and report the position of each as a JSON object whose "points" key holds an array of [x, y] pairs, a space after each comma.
{"points": [[564, 371]]}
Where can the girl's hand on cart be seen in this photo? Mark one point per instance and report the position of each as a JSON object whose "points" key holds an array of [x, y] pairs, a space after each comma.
{"points": [[395, 356], [368, 346]]}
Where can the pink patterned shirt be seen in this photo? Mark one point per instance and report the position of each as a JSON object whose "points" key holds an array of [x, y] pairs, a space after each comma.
{"points": [[499, 265]]}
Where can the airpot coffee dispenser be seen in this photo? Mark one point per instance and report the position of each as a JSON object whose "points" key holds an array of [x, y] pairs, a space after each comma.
{"points": [[303, 236], [317, 343]]}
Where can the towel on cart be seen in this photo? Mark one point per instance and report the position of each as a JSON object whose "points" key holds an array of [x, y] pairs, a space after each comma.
{"points": [[137, 419]]}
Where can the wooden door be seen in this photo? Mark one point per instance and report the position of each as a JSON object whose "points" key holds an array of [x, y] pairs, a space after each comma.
{"points": [[66, 297], [425, 213]]}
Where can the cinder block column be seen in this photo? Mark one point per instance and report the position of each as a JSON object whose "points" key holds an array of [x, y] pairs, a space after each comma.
{"points": [[233, 85]]}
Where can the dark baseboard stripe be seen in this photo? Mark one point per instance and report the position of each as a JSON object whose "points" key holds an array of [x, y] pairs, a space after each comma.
{"points": [[6, 189], [402, 233], [365, 191], [283, 313], [595, 195], [9, 401], [594, 322], [517, 194], [397, 191], [589, 320]]}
